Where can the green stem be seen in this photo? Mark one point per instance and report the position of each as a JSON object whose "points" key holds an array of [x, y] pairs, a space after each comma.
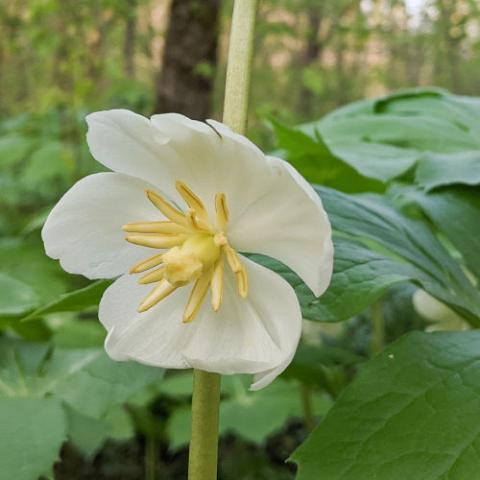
{"points": [[378, 321], [239, 69], [202, 460], [150, 457], [308, 416]]}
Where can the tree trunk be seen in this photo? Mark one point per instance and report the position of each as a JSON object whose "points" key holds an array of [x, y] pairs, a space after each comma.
{"points": [[186, 80], [310, 55], [129, 39]]}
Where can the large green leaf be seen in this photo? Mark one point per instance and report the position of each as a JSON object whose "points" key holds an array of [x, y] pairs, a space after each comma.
{"points": [[456, 213], [408, 414], [360, 277], [85, 382], [26, 261], [16, 297], [33, 429], [314, 160], [385, 137], [75, 301], [373, 220], [437, 169]]}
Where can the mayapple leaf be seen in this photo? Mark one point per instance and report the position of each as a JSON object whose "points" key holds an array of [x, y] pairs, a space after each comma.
{"points": [[317, 163], [441, 169], [375, 222], [408, 414], [384, 138], [75, 301], [33, 430], [456, 214], [16, 297]]}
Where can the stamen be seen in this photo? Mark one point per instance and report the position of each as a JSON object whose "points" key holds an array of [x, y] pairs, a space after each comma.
{"points": [[238, 269], [170, 212], [217, 284], [232, 258], [221, 209], [192, 200], [154, 276], [156, 240], [195, 222], [154, 227], [242, 282], [197, 296], [147, 264], [161, 291]]}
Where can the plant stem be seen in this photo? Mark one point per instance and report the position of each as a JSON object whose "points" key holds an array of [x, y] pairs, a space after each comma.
{"points": [[202, 460], [239, 68], [150, 457], [308, 417], [378, 321]]}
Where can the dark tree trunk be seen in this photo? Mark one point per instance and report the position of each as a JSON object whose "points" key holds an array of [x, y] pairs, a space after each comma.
{"points": [[186, 80], [129, 39], [311, 54]]}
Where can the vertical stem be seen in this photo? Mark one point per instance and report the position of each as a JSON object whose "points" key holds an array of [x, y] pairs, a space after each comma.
{"points": [[150, 457], [378, 320], [202, 460], [239, 66], [308, 417]]}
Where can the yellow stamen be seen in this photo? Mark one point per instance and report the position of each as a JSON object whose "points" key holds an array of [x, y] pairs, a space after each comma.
{"points": [[154, 227], [221, 209], [217, 284], [195, 222], [168, 210], [242, 282], [196, 250], [153, 240], [192, 200], [197, 296], [155, 276], [161, 291], [238, 269], [147, 264], [232, 258]]}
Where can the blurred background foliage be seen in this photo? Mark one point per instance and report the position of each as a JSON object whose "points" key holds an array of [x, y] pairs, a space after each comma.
{"points": [[399, 178]]}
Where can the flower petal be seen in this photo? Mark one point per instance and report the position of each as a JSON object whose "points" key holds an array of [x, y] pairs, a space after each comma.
{"points": [[288, 223], [245, 336], [248, 335], [215, 159], [84, 230], [208, 158]]}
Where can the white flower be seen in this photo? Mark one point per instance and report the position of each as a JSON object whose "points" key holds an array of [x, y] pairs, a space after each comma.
{"points": [[194, 195]]}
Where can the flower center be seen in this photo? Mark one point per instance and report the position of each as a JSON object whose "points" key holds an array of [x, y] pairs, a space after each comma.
{"points": [[195, 251]]}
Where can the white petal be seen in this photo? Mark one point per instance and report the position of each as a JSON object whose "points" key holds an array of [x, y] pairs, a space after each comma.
{"points": [[289, 223], [170, 147], [126, 143], [84, 230], [155, 337], [246, 336], [214, 159]]}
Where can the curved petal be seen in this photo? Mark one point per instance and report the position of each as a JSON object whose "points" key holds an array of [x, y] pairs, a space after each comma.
{"points": [[209, 158], [288, 223], [246, 335], [84, 230]]}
